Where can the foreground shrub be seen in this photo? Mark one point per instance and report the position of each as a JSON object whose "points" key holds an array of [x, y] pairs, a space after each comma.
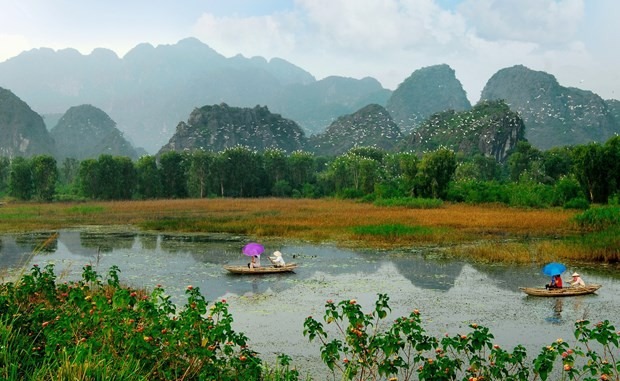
{"points": [[360, 346], [94, 330], [577, 203]]}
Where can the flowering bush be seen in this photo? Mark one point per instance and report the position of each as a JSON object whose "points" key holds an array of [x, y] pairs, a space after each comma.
{"points": [[94, 330], [366, 348], [90, 329]]}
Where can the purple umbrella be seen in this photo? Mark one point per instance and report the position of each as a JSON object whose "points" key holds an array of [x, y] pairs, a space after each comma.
{"points": [[252, 249]]}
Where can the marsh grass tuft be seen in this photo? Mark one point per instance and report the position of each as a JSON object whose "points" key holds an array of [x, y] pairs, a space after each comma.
{"points": [[86, 209], [392, 230], [410, 202]]}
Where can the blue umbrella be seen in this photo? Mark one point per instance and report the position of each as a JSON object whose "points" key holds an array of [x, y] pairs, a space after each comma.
{"points": [[553, 268]]}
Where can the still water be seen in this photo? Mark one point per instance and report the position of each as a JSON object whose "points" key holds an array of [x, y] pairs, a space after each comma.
{"points": [[270, 309]]}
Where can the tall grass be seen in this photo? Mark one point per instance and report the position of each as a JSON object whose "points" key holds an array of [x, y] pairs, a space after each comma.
{"points": [[410, 202], [305, 219]]}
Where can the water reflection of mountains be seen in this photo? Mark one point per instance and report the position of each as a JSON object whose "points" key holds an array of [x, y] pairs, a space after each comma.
{"points": [[217, 250]]}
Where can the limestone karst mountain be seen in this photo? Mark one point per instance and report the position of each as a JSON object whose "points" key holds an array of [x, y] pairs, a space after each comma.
{"points": [[371, 126], [553, 115], [427, 91], [151, 88], [614, 109], [86, 132], [217, 127], [22, 131], [490, 129], [316, 105]]}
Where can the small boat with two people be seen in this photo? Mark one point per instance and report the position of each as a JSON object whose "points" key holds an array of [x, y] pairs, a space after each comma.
{"points": [[244, 269], [254, 250], [564, 291], [555, 287]]}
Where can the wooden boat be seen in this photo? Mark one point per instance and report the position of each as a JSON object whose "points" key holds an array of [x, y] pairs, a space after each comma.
{"points": [[289, 267], [565, 291]]}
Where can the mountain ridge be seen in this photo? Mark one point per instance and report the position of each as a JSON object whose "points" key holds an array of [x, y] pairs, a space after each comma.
{"points": [[149, 90]]}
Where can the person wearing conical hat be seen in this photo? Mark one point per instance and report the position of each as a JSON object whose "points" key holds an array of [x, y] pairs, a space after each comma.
{"points": [[577, 281], [277, 259]]}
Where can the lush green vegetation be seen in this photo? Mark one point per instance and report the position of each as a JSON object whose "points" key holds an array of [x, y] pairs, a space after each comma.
{"points": [[96, 329], [571, 177]]}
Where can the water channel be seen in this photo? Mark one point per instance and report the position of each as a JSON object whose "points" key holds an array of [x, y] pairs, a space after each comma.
{"points": [[270, 309]]}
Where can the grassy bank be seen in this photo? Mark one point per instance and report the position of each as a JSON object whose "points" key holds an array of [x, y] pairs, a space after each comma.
{"points": [[484, 232]]}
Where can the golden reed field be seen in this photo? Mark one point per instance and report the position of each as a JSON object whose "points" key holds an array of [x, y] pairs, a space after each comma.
{"points": [[484, 232]]}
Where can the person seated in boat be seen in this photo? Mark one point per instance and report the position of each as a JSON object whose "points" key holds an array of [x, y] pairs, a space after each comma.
{"points": [[556, 282], [254, 262], [577, 281], [277, 259]]}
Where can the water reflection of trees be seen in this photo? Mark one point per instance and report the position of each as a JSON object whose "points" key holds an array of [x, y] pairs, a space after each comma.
{"points": [[107, 241], [16, 250]]}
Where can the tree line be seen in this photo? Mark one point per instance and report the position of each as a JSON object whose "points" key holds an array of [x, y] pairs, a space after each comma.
{"points": [[575, 176]]}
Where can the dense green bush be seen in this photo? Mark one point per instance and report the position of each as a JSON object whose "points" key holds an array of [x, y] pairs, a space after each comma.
{"points": [[364, 346], [598, 219], [577, 203], [478, 192], [98, 331], [95, 330]]}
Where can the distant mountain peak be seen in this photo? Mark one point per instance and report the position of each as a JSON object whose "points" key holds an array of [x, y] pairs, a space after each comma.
{"points": [[218, 127], [22, 131], [86, 131], [553, 115], [370, 126], [426, 91]]}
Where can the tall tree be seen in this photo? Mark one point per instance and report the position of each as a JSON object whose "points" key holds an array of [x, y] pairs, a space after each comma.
{"points": [[148, 180], [408, 164], [590, 169], [5, 170], [107, 178], [44, 177], [276, 166], [521, 159], [435, 172], [557, 162], [88, 178], [20, 179], [172, 169], [199, 173], [125, 178], [612, 158], [69, 170], [302, 169], [244, 172]]}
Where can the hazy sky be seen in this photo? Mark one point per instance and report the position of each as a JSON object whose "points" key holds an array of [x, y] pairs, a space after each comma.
{"points": [[575, 40]]}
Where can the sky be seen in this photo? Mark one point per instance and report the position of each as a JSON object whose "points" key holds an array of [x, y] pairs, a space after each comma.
{"points": [[574, 40]]}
